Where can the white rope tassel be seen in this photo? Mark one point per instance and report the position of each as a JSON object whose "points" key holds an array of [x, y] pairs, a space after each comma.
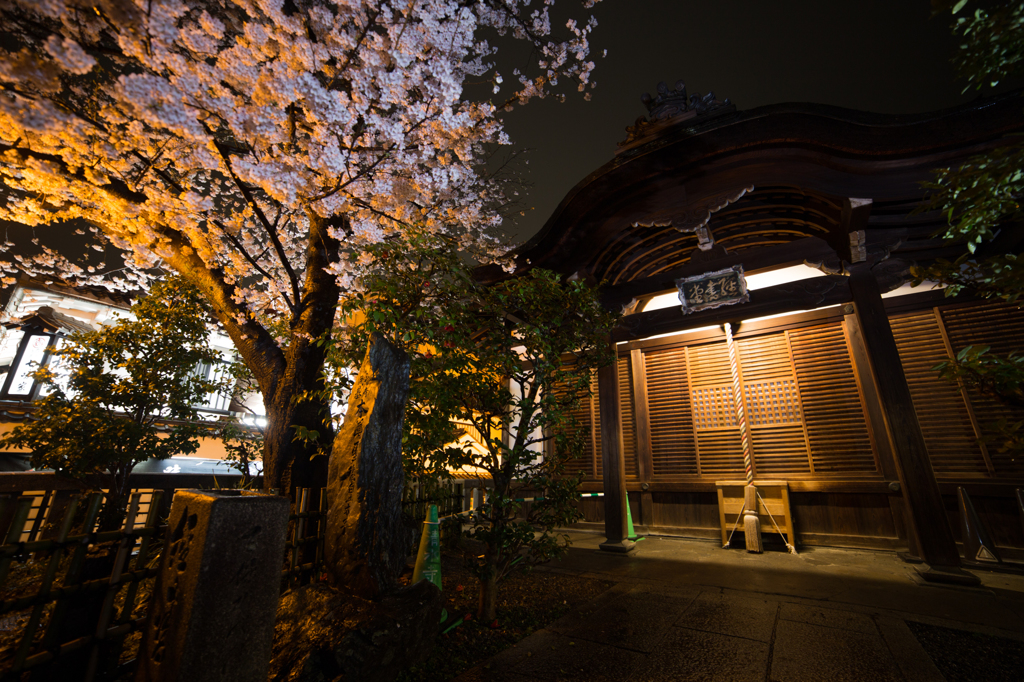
{"points": [[751, 522], [789, 547]]}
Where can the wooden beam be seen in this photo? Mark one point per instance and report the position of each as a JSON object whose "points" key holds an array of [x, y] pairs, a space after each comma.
{"points": [[792, 253], [1004, 488], [18, 482], [926, 513], [796, 485], [869, 392], [876, 422], [612, 461], [849, 237], [804, 294]]}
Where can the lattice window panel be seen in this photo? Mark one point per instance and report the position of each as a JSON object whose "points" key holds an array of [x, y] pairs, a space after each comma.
{"points": [[585, 417], [802, 402], [673, 445], [1001, 327], [589, 416], [834, 416], [713, 407], [948, 432], [772, 403], [773, 406]]}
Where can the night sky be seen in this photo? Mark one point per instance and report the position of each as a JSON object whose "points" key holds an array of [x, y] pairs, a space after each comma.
{"points": [[884, 56]]}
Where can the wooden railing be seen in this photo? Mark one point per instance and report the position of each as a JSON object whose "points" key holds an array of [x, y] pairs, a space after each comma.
{"points": [[70, 593], [304, 550], [126, 563], [448, 501]]}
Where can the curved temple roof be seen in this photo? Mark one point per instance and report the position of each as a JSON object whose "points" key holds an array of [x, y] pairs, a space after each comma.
{"points": [[775, 185]]}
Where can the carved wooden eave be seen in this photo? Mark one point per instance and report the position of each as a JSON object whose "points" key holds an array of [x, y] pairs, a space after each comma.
{"points": [[46, 320], [773, 186], [94, 294]]}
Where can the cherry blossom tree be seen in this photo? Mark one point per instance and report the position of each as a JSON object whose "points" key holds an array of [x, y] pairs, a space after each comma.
{"points": [[257, 147]]}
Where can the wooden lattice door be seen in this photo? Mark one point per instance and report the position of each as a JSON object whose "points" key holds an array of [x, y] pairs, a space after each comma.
{"points": [[801, 396]]}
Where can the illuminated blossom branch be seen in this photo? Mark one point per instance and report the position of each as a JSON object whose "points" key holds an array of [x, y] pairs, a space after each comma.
{"points": [[257, 146]]}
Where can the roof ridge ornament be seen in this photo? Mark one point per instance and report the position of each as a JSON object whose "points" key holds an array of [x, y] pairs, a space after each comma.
{"points": [[671, 103], [668, 108]]}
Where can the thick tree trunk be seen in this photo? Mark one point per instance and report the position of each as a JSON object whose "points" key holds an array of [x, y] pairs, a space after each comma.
{"points": [[366, 543], [286, 460], [487, 611], [289, 463], [287, 373]]}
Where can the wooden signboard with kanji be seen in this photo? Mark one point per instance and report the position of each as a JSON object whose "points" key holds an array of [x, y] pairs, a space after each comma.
{"points": [[713, 289]]}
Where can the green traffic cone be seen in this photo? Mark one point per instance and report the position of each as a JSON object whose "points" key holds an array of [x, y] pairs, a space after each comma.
{"points": [[630, 533]]}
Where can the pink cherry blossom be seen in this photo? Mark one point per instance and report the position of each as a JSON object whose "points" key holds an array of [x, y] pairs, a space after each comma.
{"points": [[255, 145]]}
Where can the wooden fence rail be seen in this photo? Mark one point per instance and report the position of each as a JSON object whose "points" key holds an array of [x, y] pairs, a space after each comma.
{"points": [[308, 524], [112, 625], [56, 564]]}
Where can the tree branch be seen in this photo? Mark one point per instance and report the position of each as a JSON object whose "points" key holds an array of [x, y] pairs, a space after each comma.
{"points": [[270, 229], [253, 342]]}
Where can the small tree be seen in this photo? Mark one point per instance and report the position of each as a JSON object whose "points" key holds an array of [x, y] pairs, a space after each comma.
{"points": [[117, 387], [980, 199], [511, 361], [243, 445]]}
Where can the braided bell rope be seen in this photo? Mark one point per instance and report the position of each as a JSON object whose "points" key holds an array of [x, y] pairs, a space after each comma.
{"points": [[741, 417]]}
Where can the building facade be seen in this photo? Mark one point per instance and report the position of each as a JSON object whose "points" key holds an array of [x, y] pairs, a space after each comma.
{"points": [[835, 357], [36, 319]]}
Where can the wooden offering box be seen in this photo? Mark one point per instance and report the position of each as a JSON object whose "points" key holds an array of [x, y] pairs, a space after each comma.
{"points": [[774, 496]]}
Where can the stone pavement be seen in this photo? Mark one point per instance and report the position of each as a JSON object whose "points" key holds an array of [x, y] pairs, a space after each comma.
{"points": [[689, 610]]}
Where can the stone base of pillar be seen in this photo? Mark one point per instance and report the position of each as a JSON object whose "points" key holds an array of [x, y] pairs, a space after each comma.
{"points": [[947, 575], [213, 608], [623, 547], [909, 558]]}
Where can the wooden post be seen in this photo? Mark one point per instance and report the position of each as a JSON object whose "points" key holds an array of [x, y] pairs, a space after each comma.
{"points": [[644, 454], [612, 461], [926, 515], [646, 508], [877, 431]]}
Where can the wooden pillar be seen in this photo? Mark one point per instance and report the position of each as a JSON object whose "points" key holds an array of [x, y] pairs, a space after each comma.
{"points": [[612, 461], [644, 451], [925, 514], [876, 428]]}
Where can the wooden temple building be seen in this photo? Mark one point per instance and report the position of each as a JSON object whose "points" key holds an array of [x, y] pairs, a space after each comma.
{"points": [[845, 410]]}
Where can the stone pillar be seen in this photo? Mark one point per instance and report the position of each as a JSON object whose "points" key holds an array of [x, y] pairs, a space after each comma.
{"points": [[612, 462], [926, 515], [366, 544], [216, 596]]}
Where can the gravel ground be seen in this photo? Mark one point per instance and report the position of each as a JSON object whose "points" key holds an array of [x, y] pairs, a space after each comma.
{"points": [[964, 656], [526, 603]]}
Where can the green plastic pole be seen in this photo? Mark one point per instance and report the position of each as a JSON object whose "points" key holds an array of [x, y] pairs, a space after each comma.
{"points": [[428, 558]]}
